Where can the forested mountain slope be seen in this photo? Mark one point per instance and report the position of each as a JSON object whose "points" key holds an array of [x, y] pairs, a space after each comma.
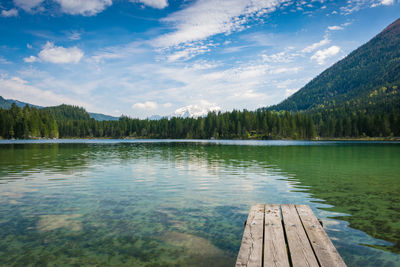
{"points": [[367, 79], [67, 112]]}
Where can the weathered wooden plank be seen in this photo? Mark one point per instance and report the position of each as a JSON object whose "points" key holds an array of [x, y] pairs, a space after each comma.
{"points": [[250, 253], [300, 249], [324, 249], [275, 252]]}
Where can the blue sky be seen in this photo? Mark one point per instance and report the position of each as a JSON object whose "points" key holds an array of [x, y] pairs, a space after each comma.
{"points": [[147, 57]]}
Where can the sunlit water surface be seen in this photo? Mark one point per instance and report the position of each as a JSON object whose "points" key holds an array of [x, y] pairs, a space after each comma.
{"points": [[183, 203]]}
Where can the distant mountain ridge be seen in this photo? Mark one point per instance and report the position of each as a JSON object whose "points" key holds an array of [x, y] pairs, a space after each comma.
{"points": [[102, 117], [368, 78], [6, 104]]}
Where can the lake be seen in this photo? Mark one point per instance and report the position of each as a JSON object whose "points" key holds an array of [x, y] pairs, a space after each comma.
{"points": [[184, 202]]}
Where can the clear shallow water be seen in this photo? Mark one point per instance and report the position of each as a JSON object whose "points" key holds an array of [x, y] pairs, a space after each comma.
{"points": [[168, 203]]}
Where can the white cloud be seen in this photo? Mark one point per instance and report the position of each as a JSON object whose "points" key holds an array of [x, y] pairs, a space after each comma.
{"points": [[206, 18], [203, 65], [383, 2], [321, 55], [284, 70], [83, 7], [280, 57], [4, 61], [74, 36], [229, 86], [28, 5], [189, 51], [242, 74], [9, 13], [234, 49], [291, 86], [30, 59], [339, 27], [105, 55], [57, 54], [387, 2], [356, 5], [145, 105], [167, 105], [184, 84], [160, 4], [335, 28], [259, 38], [119, 53], [314, 46], [248, 94], [17, 88], [352, 6], [289, 92]]}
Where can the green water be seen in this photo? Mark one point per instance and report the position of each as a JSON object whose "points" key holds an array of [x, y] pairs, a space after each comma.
{"points": [[148, 203]]}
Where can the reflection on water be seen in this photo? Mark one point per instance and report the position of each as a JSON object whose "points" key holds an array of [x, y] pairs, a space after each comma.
{"points": [[184, 203]]}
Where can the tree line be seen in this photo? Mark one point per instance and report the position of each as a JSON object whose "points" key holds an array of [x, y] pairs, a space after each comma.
{"points": [[73, 122], [25, 123]]}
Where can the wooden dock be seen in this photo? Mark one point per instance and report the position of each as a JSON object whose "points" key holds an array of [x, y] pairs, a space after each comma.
{"points": [[285, 235]]}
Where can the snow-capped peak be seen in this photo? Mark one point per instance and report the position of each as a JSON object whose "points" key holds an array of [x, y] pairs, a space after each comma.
{"points": [[197, 110]]}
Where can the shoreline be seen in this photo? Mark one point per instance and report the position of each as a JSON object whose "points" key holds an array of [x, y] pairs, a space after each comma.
{"points": [[390, 139]]}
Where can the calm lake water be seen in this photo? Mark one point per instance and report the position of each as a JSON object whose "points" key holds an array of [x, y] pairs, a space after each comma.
{"points": [[183, 203]]}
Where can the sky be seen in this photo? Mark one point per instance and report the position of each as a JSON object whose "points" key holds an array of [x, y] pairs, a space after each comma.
{"points": [[155, 57]]}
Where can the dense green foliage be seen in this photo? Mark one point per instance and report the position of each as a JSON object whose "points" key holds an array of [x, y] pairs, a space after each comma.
{"points": [[70, 122], [67, 112], [27, 122], [356, 78], [375, 115], [345, 123]]}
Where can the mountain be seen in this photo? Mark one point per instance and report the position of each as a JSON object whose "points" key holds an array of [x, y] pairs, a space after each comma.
{"points": [[67, 112], [102, 117], [190, 111], [6, 104], [156, 117], [195, 111], [367, 79]]}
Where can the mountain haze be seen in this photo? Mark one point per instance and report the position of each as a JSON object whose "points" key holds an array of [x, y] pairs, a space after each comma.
{"points": [[368, 78]]}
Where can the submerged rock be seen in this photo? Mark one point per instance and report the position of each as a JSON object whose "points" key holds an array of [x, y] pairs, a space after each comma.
{"points": [[53, 222], [197, 250]]}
